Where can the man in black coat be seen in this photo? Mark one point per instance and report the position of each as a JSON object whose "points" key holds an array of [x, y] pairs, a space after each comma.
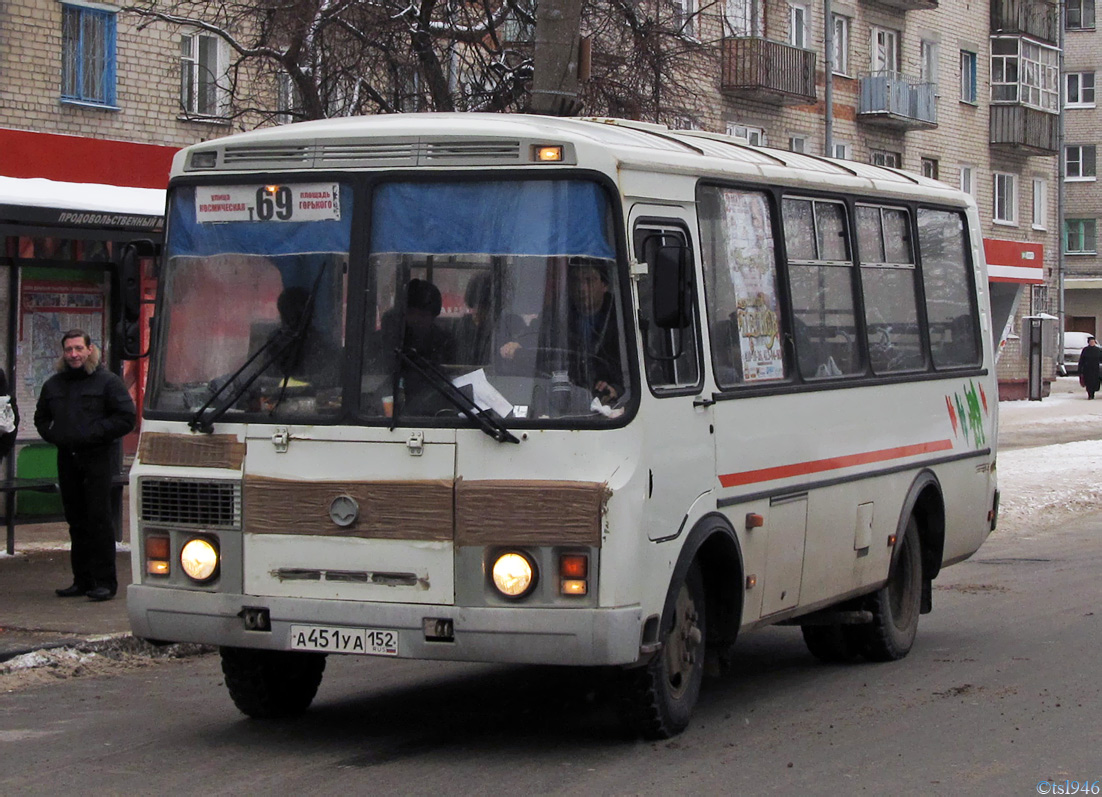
{"points": [[82, 410], [1089, 370]]}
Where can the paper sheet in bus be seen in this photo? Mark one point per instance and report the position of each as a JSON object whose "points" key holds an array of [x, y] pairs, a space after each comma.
{"points": [[486, 396]]}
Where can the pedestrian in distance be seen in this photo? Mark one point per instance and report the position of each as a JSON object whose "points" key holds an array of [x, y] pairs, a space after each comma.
{"points": [[1089, 371], [83, 409]]}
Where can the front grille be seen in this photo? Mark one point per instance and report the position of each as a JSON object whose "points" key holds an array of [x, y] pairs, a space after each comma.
{"points": [[180, 502]]}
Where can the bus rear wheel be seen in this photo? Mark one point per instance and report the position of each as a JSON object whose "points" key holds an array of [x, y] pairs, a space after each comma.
{"points": [[895, 606], [271, 684], [659, 698]]}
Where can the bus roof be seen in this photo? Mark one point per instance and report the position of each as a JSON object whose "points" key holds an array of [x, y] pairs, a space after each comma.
{"points": [[488, 140]]}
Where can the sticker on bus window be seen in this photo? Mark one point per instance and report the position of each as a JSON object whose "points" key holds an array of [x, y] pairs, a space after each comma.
{"points": [[267, 203]]}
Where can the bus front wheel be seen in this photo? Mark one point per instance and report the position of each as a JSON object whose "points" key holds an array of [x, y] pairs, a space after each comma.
{"points": [[271, 684], [895, 606], [659, 697]]}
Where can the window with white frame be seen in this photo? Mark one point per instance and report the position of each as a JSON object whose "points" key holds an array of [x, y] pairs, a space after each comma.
{"points": [[968, 180], [202, 75], [968, 91], [928, 52], [1025, 72], [1080, 236], [88, 55], [842, 150], [1079, 15], [1079, 162], [797, 24], [684, 13], [1005, 209], [746, 134], [1040, 203], [840, 44], [1079, 90], [884, 51], [884, 157], [742, 18], [797, 144]]}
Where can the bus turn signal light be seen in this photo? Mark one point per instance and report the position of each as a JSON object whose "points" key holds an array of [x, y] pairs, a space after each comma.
{"points": [[574, 586], [574, 565], [548, 154], [157, 556]]}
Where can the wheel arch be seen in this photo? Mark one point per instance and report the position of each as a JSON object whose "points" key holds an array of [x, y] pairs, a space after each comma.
{"points": [[713, 545], [926, 503]]}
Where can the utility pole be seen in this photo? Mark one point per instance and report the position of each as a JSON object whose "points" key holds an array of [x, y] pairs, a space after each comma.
{"points": [[555, 77]]}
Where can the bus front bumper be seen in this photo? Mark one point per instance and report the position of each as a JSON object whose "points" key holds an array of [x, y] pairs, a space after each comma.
{"points": [[514, 634]]}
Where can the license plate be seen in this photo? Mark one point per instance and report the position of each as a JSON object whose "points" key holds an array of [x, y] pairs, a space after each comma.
{"points": [[336, 639]]}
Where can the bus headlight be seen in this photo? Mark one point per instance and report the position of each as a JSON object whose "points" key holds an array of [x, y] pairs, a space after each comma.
{"points": [[514, 574], [199, 559]]}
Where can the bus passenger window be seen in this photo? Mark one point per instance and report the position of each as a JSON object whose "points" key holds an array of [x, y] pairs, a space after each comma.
{"points": [[888, 285], [822, 282], [740, 276], [947, 279]]}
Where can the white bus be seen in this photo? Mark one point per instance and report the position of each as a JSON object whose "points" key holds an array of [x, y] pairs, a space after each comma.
{"points": [[559, 391]]}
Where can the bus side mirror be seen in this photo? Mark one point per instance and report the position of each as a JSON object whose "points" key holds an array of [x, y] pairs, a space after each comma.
{"points": [[669, 279], [130, 296]]}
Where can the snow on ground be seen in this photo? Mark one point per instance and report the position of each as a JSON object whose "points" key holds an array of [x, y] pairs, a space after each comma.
{"points": [[1041, 487]]}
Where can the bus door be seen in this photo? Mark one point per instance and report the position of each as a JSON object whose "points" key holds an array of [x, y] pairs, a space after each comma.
{"points": [[676, 422]]}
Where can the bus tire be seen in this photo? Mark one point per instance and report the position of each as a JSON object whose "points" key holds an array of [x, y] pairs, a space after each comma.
{"points": [[833, 644], [659, 698], [271, 684], [896, 606]]}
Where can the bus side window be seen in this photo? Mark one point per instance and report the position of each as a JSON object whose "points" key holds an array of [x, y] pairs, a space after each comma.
{"points": [[947, 280], [740, 277], [670, 355], [822, 284]]}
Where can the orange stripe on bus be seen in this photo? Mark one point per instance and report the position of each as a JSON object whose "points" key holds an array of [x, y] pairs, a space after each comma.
{"points": [[834, 463]]}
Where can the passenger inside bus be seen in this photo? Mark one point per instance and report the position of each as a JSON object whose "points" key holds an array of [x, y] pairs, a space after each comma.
{"points": [[479, 332], [422, 334], [305, 353]]}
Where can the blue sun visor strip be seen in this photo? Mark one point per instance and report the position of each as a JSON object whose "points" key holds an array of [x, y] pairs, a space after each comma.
{"points": [[526, 217]]}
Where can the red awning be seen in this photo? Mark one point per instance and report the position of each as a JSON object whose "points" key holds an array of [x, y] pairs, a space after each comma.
{"points": [[1014, 261]]}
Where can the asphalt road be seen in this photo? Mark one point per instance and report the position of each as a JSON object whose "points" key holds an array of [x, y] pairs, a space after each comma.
{"points": [[1000, 692]]}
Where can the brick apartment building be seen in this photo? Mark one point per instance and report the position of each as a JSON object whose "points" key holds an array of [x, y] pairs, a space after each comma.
{"points": [[1082, 194]]}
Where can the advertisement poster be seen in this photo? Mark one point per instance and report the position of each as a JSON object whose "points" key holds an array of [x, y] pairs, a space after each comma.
{"points": [[753, 278]]}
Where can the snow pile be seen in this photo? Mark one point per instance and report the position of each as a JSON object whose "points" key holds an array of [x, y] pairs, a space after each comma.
{"points": [[1042, 487]]}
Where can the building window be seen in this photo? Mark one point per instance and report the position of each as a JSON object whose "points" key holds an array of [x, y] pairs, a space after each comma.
{"points": [[87, 55], [928, 66], [202, 64], [968, 180], [841, 45], [1080, 236], [842, 150], [1024, 72], [746, 134], [1006, 198], [797, 144], [1079, 162], [968, 77], [1079, 90], [797, 25], [1080, 15], [684, 15], [929, 168], [884, 53], [1040, 203], [884, 157], [742, 18]]}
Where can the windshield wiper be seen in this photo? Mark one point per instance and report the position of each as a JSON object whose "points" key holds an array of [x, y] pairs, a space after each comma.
{"points": [[294, 337], [488, 422]]}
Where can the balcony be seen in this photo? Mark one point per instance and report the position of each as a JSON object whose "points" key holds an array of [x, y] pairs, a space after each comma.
{"points": [[1021, 130], [757, 68], [1026, 17], [889, 99], [910, 5]]}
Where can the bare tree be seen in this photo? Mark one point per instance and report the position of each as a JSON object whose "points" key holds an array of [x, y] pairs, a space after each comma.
{"points": [[313, 59]]}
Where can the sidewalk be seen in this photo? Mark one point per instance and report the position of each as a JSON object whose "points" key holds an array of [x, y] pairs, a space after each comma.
{"points": [[32, 617]]}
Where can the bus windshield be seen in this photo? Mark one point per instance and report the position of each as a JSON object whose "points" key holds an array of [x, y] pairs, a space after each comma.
{"points": [[505, 293]]}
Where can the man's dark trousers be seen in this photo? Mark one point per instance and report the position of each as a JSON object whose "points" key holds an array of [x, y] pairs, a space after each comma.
{"points": [[85, 481]]}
